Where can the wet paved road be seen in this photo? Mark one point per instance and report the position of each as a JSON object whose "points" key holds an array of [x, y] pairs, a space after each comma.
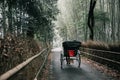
{"points": [[72, 72]]}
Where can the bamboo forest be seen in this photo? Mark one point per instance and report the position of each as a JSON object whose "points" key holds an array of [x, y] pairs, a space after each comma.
{"points": [[59, 39]]}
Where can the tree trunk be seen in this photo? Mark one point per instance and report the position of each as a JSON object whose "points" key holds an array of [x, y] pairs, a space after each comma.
{"points": [[113, 20], [118, 20], [91, 21], [4, 18], [10, 29]]}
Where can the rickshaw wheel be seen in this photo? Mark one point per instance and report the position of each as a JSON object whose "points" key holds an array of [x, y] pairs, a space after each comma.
{"points": [[61, 60], [79, 60]]}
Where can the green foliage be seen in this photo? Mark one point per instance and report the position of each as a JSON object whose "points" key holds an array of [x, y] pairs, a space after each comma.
{"points": [[101, 16], [30, 16]]}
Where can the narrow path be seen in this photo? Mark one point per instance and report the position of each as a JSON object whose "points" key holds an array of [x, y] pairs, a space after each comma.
{"points": [[72, 72]]}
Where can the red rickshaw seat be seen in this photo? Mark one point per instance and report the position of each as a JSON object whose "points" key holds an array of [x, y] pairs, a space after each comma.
{"points": [[71, 53]]}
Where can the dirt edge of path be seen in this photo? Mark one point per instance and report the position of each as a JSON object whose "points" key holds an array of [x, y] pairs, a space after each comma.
{"points": [[102, 68], [46, 73]]}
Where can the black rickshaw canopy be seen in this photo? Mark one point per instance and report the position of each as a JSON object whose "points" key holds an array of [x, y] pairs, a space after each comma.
{"points": [[71, 45]]}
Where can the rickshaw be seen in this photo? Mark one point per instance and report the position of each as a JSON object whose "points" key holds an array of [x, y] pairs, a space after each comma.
{"points": [[70, 53]]}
